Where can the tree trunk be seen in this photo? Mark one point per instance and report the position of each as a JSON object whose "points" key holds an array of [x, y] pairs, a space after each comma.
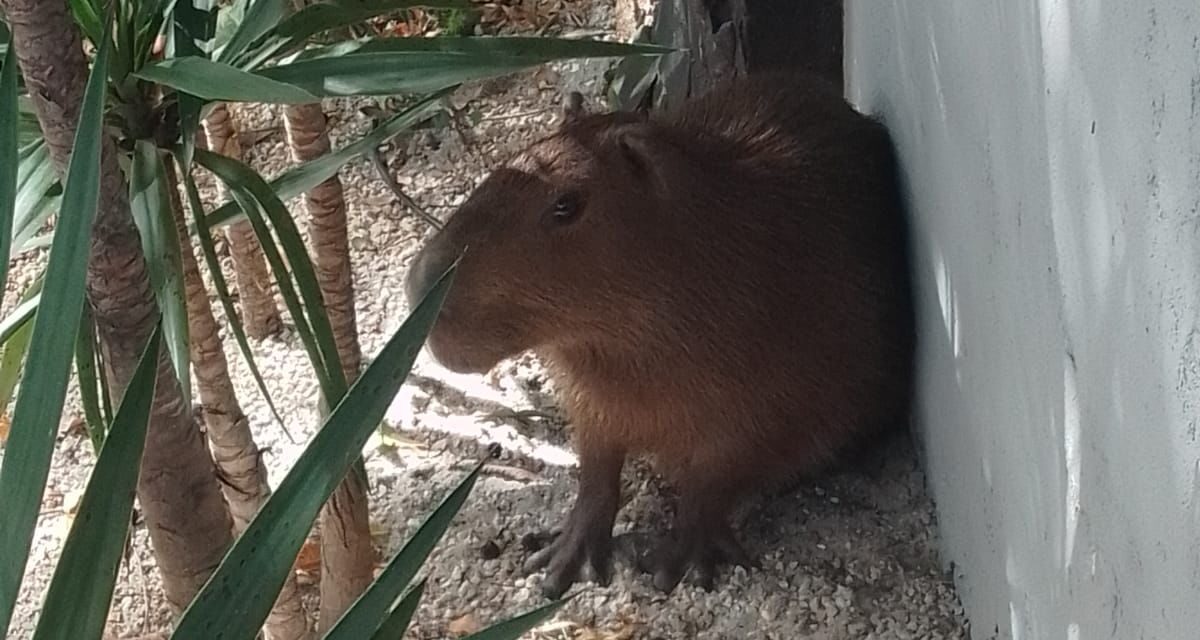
{"points": [[259, 313], [189, 525], [347, 555], [238, 458], [326, 206]]}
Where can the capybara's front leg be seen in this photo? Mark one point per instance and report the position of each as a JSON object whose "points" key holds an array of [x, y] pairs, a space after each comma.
{"points": [[585, 540]]}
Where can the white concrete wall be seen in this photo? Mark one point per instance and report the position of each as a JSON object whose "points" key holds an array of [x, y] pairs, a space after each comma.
{"points": [[1052, 155]]}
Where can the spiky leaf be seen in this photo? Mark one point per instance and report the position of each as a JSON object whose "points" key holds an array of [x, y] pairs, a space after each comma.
{"points": [[151, 205], [239, 595], [41, 398], [77, 601]]}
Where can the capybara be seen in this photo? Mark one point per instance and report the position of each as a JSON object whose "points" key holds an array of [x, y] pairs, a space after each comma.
{"points": [[724, 288]]}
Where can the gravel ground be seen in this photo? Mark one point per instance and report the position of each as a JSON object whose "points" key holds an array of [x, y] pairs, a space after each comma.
{"points": [[851, 557]]}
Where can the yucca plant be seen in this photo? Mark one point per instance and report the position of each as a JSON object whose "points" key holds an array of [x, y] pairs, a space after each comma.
{"points": [[105, 142]]}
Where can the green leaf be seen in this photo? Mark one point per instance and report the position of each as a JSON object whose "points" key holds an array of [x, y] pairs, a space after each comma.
{"points": [[35, 179], [229, 19], [401, 615], [87, 15], [77, 601], [24, 240], [30, 130], [16, 346], [10, 115], [261, 16], [121, 64], [149, 18], [475, 47], [239, 595], [303, 177], [19, 316], [368, 74], [209, 251], [39, 242], [631, 79], [328, 15], [520, 625], [221, 82], [387, 66], [12, 362], [40, 401], [372, 608], [307, 308], [151, 205], [194, 28], [89, 371], [195, 25], [294, 30]]}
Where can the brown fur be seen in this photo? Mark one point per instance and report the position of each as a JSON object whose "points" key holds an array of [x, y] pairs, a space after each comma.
{"points": [[731, 298]]}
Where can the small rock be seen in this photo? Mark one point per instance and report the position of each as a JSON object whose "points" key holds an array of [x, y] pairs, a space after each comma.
{"points": [[489, 551], [464, 625]]}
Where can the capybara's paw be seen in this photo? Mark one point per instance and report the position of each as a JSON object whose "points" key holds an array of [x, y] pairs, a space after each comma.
{"points": [[581, 551], [701, 550]]}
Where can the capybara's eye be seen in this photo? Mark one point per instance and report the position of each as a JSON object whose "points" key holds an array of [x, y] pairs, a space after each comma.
{"points": [[566, 207]]}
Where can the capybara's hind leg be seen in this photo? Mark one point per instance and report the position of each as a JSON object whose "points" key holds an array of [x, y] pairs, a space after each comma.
{"points": [[584, 543], [701, 539]]}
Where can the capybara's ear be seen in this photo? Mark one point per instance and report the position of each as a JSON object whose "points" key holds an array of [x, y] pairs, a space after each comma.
{"points": [[572, 107], [642, 153]]}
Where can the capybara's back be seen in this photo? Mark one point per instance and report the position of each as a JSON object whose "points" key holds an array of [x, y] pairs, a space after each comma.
{"points": [[724, 288], [792, 270]]}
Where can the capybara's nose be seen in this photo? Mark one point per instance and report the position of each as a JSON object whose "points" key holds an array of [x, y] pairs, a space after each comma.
{"points": [[429, 265]]}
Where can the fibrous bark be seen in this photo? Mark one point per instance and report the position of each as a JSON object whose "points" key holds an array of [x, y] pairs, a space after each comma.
{"points": [[260, 315], [347, 554], [326, 206], [238, 459], [189, 526]]}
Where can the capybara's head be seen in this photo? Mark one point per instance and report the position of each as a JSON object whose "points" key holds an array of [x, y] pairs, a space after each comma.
{"points": [[551, 244]]}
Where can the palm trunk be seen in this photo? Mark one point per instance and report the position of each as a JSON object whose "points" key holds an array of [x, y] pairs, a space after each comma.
{"points": [[347, 555], [237, 456], [259, 313], [234, 450], [188, 522], [326, 206]]}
